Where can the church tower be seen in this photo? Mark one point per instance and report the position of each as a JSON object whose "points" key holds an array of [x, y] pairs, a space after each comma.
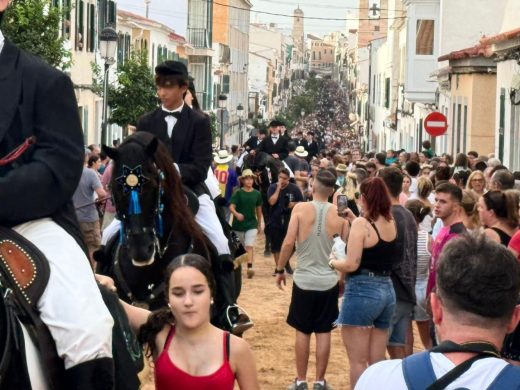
{"points": [[297, 30]]}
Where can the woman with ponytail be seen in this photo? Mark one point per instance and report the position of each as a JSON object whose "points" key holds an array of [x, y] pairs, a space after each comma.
{"points": [[498, 212], [189, 352]]}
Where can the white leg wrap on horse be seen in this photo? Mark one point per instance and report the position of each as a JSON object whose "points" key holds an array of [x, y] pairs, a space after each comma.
{"points": [[71, 305], [207, 219]]}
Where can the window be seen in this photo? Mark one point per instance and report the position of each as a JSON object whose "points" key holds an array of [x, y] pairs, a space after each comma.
{"points": [[424, 37], [387, 92], [79, 25], [225, 84], [91, 29]]}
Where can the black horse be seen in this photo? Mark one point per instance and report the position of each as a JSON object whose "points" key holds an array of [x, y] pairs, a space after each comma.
{"points": [[157, 224]]}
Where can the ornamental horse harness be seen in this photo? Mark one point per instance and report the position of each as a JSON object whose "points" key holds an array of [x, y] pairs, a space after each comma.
{"points": [[132, 181]]}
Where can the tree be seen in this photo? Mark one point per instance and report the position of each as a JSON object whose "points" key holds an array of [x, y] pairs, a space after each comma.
{"points": [[34, 25], [134, 94]]}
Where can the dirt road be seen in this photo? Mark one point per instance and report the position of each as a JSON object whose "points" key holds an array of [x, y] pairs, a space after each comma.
{"points": [[271, 339]]}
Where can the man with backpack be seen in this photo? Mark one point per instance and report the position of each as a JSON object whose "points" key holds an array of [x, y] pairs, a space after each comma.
{"points": [[474, 307]]}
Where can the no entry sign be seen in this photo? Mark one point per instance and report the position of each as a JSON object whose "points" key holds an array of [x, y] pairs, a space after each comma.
{"points": [[435, 124]]}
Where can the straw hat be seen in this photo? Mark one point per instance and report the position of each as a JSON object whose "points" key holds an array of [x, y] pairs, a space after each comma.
{"points": [[246, 173], [223, 157], [341, 168], [301, 152]]}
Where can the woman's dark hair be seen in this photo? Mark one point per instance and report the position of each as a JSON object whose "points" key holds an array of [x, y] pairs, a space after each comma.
{"points": [[377, 199], [461, 160], [92, 160], [461, 178], [162, 317], [504, 205], [418, 209]]}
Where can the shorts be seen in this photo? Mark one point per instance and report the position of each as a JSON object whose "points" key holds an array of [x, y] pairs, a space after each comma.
{"points": [[400, 324], [419, 311], [368, 301], [277, 235], [313, 311], [247, 238], [91, 234]]}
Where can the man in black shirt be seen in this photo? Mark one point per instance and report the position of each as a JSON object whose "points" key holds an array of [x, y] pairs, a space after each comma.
{"points": [[275, 144], [404, 272]]}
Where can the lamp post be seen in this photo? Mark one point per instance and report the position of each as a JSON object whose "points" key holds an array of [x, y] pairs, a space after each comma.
{"points": [[107, 50], [240, 114], [222, 100]]}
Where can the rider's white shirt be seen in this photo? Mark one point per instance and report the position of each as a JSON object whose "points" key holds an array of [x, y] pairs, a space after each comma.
{"points": [[388, 374]]}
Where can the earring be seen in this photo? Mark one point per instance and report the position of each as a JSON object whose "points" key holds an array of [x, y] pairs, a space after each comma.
{"points": [[170, 306], [212, 301]]}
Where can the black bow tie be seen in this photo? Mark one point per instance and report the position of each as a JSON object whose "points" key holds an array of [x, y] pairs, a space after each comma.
{"points": [[176, 114], [275, 138]]}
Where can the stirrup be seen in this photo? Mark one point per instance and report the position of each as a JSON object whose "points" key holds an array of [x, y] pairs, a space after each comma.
{"points": [[243, 321]]}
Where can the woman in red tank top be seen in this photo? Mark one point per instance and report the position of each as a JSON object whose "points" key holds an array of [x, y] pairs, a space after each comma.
{"points": [[188, 351]]}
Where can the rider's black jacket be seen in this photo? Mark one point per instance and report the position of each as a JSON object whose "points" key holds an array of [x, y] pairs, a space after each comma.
{"points": [[190, 144], [38, 100]]}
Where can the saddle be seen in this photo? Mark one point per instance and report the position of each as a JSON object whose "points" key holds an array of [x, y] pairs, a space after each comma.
{"points": [[24, 274]]}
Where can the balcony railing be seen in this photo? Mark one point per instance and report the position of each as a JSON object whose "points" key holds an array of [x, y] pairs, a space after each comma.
{"points": [[198, 37]]}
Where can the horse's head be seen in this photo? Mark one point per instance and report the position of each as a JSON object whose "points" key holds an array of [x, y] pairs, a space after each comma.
{"points": [[137, 186]]}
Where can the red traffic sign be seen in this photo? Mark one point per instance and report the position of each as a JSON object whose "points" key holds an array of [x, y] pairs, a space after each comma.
{"points": [[435, 124]]}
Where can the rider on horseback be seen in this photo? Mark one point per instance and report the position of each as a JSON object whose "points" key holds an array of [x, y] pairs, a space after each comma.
{"points": [[42, 141], [187, 134]]}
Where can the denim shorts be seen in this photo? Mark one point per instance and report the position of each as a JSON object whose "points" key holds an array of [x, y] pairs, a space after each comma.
{"points": [[419, 311], [368, 301]]}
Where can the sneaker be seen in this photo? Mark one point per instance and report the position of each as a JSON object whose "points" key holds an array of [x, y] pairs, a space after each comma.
{"points": [[267, 253], [301, 386], [319, 386], [250, 273]]}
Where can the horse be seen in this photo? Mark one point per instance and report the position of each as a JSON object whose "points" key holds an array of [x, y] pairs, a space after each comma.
{"points": [[157, 224]]}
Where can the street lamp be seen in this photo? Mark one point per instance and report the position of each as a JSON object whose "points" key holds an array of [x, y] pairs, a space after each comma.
{"points": [[240, 114], [222, 101], [107, 50]]}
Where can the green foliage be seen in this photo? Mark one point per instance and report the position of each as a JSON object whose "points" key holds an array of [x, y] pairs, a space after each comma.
{"points": [[134, 94], [213, 123], [34, 25]]}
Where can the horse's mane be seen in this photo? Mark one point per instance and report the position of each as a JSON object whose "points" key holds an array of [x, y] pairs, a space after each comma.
{"points": [[175, 207]]}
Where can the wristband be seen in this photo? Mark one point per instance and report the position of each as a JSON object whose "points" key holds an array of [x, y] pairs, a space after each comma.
{"points": [[279, 271]]}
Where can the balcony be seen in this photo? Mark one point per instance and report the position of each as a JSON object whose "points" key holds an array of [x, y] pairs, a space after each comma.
{"points": [[199, 38]]}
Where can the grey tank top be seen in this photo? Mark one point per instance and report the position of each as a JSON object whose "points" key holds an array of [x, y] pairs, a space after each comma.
{"points": [[312, 271]]}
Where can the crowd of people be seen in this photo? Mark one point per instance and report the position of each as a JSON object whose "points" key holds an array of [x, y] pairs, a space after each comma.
{"points": [[402, 217]]}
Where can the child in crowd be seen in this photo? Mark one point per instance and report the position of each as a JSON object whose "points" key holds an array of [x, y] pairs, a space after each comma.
{"points": [[246, 207]]}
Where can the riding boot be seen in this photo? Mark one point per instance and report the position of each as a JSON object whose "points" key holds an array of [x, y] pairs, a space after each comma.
{"points": [[226, 263], [97, 374]]}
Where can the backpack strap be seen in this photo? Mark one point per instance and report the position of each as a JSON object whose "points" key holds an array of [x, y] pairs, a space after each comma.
{"points": [[508, 378], [418, 371]]}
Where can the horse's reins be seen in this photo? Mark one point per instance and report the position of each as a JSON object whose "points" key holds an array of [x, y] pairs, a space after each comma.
{"points": [[18, 151]]}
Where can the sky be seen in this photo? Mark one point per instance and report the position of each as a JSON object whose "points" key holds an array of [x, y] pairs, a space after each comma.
{"points": [[173, 13]]}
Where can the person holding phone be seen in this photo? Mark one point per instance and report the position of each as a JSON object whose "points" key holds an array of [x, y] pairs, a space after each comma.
{"points": [[348, 188]]}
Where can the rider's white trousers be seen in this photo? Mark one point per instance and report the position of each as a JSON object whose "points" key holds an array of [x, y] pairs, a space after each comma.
{"points": [[208, 220], [71, 305]]}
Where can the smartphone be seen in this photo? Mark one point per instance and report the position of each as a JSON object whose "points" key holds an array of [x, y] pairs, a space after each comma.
{"points": [[342, 204]]}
